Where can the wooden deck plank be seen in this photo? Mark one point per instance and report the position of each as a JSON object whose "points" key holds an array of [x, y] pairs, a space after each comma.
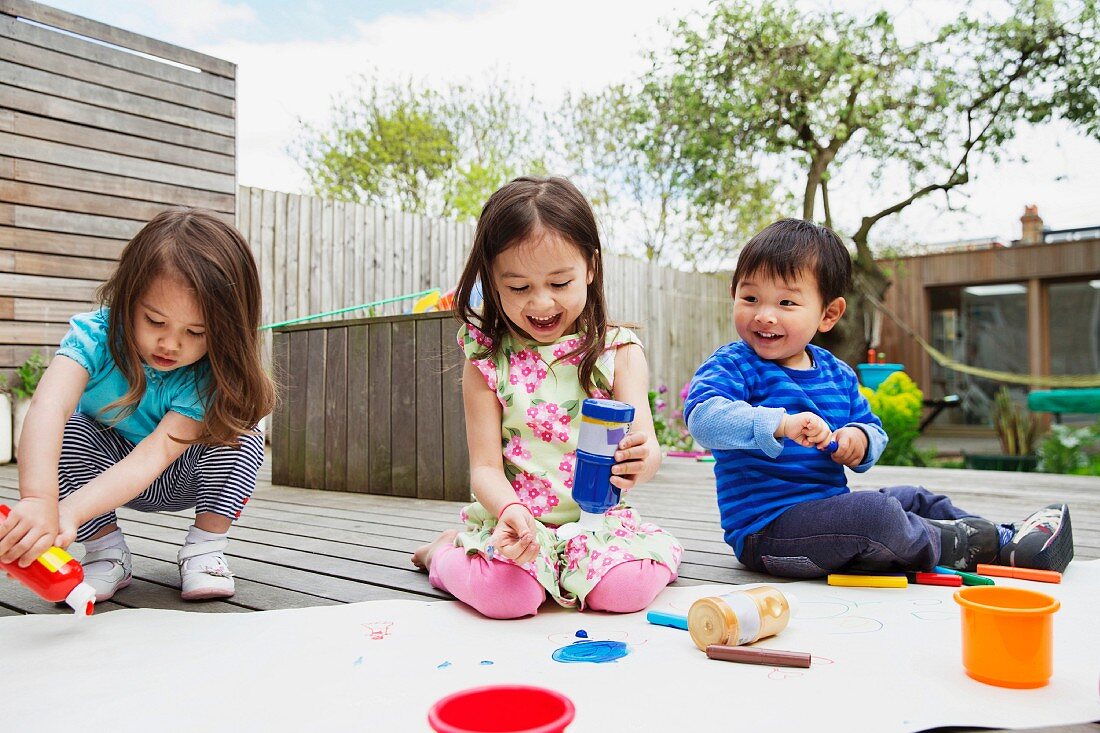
{"points": [[296, 547]]}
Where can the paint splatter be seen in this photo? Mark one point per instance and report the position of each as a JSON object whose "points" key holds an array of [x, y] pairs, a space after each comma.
{"points": [[443, 666], [582, 634], [486, 662], [357, 662], [596, 652]]}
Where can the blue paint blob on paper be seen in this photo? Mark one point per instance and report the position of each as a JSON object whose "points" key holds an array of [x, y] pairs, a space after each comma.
{"points": [[582, 634], [596, 652], [443, 666], [486, 662], [357, 662]]}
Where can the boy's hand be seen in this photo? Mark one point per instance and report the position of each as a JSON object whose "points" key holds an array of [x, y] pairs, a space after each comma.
{"points": [[29, 530], [851, 446], [516, 535], [632, 457], [804, 428]]}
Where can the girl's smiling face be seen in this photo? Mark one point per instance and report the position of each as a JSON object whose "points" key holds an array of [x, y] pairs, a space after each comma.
{"points": [[542, 283], [168, 325]]}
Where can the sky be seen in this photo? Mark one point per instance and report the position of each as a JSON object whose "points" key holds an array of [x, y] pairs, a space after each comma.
{"points": [[295, 58]]}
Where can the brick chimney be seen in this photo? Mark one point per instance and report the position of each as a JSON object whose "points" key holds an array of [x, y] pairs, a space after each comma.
{"points": [[1032, 225]]}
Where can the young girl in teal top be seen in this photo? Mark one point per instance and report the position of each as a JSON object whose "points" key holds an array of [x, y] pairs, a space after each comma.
{"points": [[151, 403], [539, 345]]}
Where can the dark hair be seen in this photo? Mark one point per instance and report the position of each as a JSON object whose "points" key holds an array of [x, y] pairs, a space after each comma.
{"points": [[513, 213], [211, 257], [791, 246]]}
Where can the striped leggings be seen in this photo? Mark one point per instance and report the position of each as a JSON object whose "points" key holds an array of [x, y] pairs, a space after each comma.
{"points": [[212, 479]]}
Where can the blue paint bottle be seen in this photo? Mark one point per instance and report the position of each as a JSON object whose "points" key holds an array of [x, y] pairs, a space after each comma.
{"points": [[604, 423]]}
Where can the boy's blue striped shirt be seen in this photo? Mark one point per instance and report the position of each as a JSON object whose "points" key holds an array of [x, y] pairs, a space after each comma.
{"points": [[734, 406]]}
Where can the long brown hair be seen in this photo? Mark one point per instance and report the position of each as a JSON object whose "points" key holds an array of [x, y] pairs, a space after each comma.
{"points": [[515, 212], [213, 259]]}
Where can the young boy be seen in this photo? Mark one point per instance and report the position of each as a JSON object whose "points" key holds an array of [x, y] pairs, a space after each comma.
{"points": [[784, 418]]}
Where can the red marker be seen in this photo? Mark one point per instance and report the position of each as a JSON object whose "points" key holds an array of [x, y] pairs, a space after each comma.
{"points": [[55, 576], [936, 579]]}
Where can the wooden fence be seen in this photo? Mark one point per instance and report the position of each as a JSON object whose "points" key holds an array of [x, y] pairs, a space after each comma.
{"points": [[318, 255], [372, 406], [100, 129]]}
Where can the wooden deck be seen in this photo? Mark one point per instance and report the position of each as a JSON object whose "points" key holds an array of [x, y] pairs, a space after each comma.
{"points": [[298, 547]]}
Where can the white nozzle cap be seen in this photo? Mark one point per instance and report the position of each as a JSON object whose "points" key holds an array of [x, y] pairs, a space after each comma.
{"points": [[588, 522], [81, 599], [792, 602]]}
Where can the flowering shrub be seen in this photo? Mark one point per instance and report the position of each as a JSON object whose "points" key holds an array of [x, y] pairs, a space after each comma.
{"points": [[897, 402], [671, 431], [1067, 449]]}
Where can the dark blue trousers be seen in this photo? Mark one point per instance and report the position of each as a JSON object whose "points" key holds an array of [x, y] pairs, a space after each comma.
{"points": [[880, 530]]}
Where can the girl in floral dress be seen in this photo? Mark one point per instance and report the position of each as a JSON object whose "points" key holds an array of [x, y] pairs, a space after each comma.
{"points": [[537, 347]]}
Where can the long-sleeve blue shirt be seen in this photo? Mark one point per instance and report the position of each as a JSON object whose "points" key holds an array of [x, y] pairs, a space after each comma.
{"points": [[734, 406]]}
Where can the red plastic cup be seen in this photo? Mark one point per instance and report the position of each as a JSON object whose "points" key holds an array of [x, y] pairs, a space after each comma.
{"points": [[502, 709]]}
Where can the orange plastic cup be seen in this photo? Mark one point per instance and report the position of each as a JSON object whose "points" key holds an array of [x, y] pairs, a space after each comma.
{"points": [[1007, 635]]}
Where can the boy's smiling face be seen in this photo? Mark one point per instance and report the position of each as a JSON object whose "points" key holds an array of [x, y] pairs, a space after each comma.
{"points": [[778, 318]]}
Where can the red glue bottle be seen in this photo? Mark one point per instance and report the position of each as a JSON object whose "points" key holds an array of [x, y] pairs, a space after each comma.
{"points": [[55, 576]]}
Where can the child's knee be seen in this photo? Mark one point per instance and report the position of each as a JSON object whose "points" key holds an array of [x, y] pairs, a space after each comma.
{"points": [[629, 587], [516, 596]]}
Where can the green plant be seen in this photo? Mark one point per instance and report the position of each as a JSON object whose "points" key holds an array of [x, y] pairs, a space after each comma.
{"points": [[1065, 449], [671, 431], [1017, 429], [897, 403], [29, 373]]}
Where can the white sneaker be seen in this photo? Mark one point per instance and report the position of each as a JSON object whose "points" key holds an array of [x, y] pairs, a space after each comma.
{"points": [[116, 577], [204, 573]]}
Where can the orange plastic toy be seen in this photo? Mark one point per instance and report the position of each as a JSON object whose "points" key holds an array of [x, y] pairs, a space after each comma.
{"points": [[1007, 635]]}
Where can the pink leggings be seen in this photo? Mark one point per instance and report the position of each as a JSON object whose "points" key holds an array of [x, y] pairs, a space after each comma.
{"points": [[503, 590]]}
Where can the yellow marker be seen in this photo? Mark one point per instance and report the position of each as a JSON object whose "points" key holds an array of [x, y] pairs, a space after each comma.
{"points": [[869, 581]]}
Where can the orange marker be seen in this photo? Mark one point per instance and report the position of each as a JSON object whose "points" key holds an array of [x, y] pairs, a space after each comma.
{"points": [[1005, 571]]}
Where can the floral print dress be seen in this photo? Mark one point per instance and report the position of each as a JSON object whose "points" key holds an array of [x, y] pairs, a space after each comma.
{"points": [[541, 402]]}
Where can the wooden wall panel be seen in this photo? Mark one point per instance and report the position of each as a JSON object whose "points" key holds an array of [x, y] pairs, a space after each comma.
{"points": [[95, 140]]}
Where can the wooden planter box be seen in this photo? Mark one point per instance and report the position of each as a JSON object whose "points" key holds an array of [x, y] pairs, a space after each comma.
{"points": [[371, 405]]}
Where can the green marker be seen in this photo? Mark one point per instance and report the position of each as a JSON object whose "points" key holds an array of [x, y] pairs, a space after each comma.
{"points": [[968, 578]]}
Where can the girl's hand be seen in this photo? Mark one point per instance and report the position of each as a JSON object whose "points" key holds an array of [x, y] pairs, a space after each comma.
{"points": [[851, 446], [516, 535], [632, 464], [29, 530], [804, 428]]}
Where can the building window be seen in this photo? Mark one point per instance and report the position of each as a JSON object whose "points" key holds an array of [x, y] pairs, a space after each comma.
{"points": [[1073, 322], [983, 326]]}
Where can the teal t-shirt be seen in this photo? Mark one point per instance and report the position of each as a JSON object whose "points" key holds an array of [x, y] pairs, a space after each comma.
{"points": [[179, 390]]}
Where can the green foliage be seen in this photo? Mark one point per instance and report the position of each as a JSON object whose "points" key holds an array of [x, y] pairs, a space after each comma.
{"points": [[28, 374], [897, 403], [1017, 429], [671, 431], [622, 144], [425, 151], [1067, 449]]}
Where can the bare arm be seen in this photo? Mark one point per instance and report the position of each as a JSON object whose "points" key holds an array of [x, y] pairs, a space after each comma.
{"points": [[515, 533], [32, 526], [639, 455]]}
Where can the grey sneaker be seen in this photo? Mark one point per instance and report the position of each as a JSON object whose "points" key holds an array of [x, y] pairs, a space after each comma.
{"points": [[1044, 541], [966, 542], [116, 577]]}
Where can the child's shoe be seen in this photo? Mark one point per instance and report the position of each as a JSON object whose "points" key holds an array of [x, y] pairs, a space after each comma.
{"points": [[108, 570], [1043, 542], [204, 573], [966, 542]]}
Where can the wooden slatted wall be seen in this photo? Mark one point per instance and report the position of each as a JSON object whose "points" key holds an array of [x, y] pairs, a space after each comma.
{"points": [[100, 129], [317, 255]]}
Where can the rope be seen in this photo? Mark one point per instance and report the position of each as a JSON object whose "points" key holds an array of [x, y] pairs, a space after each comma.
{"points": [[346, 310], [1030, 380]]}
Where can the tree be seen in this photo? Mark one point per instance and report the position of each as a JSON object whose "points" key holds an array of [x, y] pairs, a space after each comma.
{"points": [[816, 92], [623, 147], [436, 152]]}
